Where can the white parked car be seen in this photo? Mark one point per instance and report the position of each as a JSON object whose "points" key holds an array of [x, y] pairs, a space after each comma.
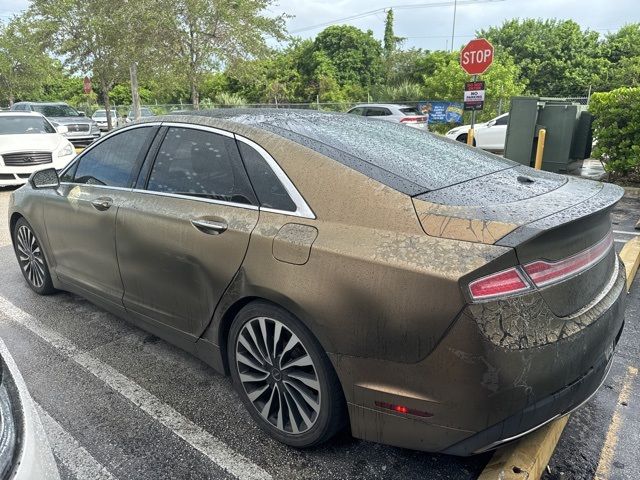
{"points": [[391, 112], [490, 135], [25, 453], [28, 143], [100, 117]]}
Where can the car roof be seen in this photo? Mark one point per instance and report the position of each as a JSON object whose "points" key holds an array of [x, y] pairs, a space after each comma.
{"points": [[405, 159], [43, 103], [21, 114]]}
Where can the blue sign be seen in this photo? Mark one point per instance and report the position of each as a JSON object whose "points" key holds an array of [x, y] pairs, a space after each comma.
{"points": [[442, 112]]}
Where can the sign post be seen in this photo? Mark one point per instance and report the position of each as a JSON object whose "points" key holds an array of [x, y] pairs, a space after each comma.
{"points": [[475, 58]]}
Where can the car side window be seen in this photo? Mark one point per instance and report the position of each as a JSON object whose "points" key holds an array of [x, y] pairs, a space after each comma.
{"points": [[377, 112], [356, 111], [201, 164], [270, 191], [502, 120], [115, 161]]}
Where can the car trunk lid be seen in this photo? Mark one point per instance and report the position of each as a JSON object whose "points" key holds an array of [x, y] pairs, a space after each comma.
{"points": [[543, 216]]}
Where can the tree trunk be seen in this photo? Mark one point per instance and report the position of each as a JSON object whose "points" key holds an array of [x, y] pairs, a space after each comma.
{"points": [[195, 96], [135, 94], [107, 104], [12, 99]]}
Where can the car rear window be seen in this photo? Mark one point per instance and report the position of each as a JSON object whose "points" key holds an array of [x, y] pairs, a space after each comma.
{"points": [[406, 159], [410, 111]]}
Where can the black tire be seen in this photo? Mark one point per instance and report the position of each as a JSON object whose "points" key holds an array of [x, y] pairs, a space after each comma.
{"points": [[463, 139], [31, 258], [331, 415]]}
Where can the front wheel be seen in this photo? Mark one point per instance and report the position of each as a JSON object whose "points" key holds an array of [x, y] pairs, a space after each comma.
{"points": [[283, 376], [463, 139], [31, 258]]}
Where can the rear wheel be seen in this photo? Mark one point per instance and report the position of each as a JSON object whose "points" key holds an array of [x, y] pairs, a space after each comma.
{"points": [[31, 258], [283, 376], [463, 138]]}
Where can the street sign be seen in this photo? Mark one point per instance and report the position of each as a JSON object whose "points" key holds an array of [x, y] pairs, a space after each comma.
{"points": [[86, 85], [476, 56], [474, 95]]}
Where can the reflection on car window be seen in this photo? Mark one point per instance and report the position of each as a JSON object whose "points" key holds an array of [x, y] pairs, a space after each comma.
{"points": [[55, 110], [503, 120], [271, 193], [200, 164], [113, 161], [10, 125]]}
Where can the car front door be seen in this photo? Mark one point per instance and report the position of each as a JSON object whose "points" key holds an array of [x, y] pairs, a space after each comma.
{"points": [[184, 235], [80, 215], [492, 136]]}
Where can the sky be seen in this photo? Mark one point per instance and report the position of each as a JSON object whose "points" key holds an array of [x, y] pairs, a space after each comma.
{"points": [[430, 27]]}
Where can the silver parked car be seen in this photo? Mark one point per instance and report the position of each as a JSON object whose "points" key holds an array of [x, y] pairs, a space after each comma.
{"points": [[81, 131], [100, 117], [24, 450], [391, 112]]}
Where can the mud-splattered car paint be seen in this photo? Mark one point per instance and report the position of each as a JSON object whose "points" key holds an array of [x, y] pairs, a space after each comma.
{"points": [[391, 228]]}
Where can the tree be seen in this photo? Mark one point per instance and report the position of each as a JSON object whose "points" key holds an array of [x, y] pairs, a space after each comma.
{"points": [[356, 56], [555, 57], [24, 67], [210, 33], [622, 51]]}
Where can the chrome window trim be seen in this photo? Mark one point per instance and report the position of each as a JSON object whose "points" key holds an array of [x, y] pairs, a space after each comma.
{"points": [[302, 208], [197, 199], [105, 187]]}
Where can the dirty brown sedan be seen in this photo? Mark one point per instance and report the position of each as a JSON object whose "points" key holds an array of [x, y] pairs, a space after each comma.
{"points": [[342, 271]]}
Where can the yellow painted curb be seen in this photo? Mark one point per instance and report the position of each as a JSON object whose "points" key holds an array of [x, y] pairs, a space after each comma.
{"points": [[526, 459], [630, 256], [79, 149]]}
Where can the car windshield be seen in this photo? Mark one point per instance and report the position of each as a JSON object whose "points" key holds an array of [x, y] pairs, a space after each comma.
{"points": [[55, 110], [10, 125], [406, 159], [410, 111], [103, 113]]}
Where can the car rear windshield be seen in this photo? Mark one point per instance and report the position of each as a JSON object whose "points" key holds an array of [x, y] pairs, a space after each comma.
{"points": [[406, 159], [410, 111], [103, 113], [55, 110], [23, 124]]}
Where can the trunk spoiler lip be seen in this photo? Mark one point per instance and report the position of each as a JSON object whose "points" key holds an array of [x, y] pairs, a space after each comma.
{"points": [[605, 199]]}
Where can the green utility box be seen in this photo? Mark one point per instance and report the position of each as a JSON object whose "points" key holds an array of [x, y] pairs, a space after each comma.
{"points": [[568, 127]]}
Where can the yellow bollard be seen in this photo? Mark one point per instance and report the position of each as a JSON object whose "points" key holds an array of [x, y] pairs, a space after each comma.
{"points": [[470, 137], [540, 149]]}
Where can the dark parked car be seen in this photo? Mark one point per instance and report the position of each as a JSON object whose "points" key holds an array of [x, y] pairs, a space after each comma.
{"points": [[81, 130], [341, 269]]}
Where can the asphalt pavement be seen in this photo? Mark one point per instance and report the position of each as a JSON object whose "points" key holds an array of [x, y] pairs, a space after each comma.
{"points": [[120, 403]]}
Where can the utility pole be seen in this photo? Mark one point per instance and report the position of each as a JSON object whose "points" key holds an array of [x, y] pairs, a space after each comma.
{"points": [[453, 30]]}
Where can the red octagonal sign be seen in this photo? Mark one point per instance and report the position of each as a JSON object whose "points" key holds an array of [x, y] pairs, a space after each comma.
{"points": [[477, 56]]}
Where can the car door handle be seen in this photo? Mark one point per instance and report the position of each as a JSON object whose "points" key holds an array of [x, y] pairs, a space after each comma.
{"points": [[102, 203], [209, 226]]}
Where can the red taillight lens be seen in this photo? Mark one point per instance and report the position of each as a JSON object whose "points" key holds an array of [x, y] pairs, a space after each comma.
{"points": [[413, 119], [544, 273], [506, 282], [403, 410]]}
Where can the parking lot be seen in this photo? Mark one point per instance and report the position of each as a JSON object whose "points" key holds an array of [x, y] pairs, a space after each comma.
{"points": [[120, 403]]}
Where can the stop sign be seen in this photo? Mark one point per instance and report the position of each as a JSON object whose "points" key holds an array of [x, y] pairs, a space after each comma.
{"points": [[476, 56]]}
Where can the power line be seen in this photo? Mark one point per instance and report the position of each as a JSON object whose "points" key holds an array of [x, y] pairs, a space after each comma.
{"points": [[358, 16]]}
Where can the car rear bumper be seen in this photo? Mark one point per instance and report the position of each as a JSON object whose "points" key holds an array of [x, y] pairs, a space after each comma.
{"points": [[474, 394]]}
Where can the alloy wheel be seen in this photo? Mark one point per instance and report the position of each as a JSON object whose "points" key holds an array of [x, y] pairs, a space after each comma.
{"points": [[30, 256], [278, 375]]}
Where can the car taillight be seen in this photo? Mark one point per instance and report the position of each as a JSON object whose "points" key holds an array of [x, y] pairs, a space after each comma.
{"points": [[413, 119], [504, 283], [544, 273]]}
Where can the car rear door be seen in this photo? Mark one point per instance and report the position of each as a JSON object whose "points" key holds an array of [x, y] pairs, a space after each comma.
{"points": [[80, 215], [184, 235]]}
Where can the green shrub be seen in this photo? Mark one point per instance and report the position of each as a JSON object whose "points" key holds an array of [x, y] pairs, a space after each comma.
{"points": [[226, 99], [617, 129]]}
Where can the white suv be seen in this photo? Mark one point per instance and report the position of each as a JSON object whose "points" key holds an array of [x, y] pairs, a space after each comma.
{"points": [[391, 112]]}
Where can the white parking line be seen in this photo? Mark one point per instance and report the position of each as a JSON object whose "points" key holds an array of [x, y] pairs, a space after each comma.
{"points": [[217, 451], [73, 455], [626, 232], [619, 240]]}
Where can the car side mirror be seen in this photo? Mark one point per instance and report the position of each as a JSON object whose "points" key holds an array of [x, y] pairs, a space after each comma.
{"points": [[82, 114], [62, 129], [491, 123], [47, 178]]}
